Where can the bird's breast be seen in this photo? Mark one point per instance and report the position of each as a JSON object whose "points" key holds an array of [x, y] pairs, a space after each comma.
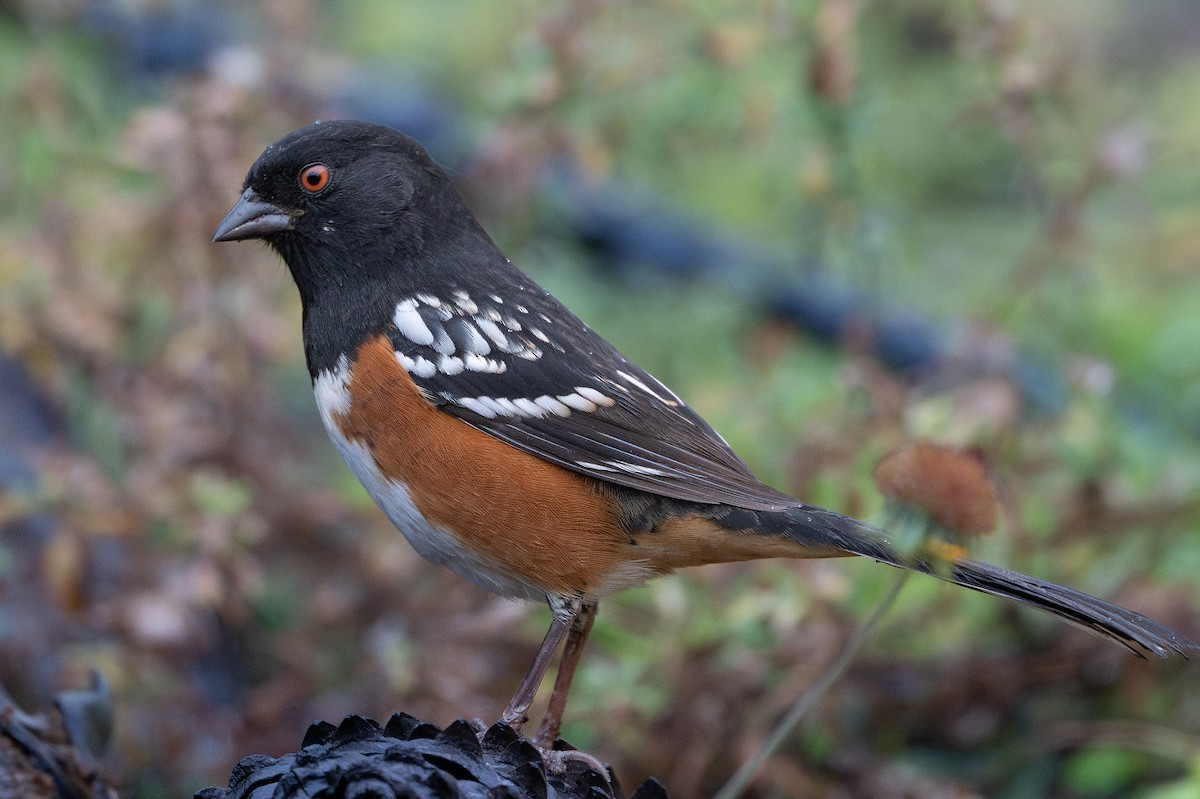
{"points": [[504, 519]]}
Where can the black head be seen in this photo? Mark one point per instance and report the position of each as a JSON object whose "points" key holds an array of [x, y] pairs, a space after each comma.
{"points": [[347, 202], [363, 218]]}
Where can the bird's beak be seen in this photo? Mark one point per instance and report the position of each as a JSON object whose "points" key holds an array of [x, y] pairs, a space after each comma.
{"points": [[251, 218]]}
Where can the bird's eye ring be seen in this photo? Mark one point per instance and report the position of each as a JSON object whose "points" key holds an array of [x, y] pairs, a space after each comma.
{"points": [[314, 177]]}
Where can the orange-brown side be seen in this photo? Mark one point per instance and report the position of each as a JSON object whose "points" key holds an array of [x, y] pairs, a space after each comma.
{"points": [[695, 541], [544, 524]]}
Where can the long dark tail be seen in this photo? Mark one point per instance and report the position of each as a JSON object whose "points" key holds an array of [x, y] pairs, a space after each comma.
{"points": [[818, 527]]}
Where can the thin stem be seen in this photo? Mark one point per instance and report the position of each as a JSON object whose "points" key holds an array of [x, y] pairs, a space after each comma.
{"points": [[741, 778]]}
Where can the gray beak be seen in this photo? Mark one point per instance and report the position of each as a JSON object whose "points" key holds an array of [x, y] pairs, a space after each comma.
{"points": [[251, 218]]}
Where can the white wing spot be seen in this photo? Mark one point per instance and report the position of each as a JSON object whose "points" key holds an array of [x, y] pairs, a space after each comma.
{"points": [[476, 406], [476, 343], [477, 363], [421, 367], [492, 331], [521, 407], [496, 407], [464, 302], [509, 406], [481, 332], [410, 324], [425, 368], [496, 298], [552, 405], [529, 407], [595, 396], [450, 365], [577, 402], [506, 406]]}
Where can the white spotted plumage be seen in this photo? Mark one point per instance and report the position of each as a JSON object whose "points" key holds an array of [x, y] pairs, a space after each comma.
{"points": [[450, 365], [464, 302], [578, 402], [592, 395], [476, 344], [478, 363], [553, 405], [463, 334], [476, 405], [410, 324], [531, 408], [421, 367], [492, 331]]}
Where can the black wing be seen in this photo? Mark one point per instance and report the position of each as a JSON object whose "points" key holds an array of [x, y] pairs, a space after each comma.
{"points": [[526, 370]]}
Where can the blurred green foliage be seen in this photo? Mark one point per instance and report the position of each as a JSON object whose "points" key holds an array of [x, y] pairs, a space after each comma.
{"points": [[1014, 172]]}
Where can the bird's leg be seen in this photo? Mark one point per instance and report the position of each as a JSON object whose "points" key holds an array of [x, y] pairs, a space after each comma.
{"points": [[565, 610], [552, 722]]}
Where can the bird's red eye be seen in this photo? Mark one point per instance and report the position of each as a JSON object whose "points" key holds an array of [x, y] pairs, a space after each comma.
{"points": [[314, 177]]}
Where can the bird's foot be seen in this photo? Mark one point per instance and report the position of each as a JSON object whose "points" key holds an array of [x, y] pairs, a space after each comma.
{"points": [[556, 760]]}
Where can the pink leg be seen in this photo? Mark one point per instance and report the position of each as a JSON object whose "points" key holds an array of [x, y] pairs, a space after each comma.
{"points": [[565, 612], [580, 627]]}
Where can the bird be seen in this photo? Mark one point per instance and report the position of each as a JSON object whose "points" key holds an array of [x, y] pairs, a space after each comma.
{"points": [[507, 440]]}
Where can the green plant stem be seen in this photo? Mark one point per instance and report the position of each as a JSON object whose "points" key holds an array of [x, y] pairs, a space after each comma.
{"points": [[734, 786]]}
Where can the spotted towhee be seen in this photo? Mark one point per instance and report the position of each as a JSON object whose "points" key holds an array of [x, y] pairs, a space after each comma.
{"points": [[506, 439]]}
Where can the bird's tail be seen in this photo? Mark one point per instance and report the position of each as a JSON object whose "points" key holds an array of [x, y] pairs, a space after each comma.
{"points": [[815, 526]]}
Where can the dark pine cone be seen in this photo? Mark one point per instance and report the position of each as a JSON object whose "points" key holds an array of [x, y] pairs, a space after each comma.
{"points": [[410, 759]]}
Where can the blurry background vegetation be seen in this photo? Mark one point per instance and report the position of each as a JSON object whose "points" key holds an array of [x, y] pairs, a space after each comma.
{"points": [[1012, 187]]}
